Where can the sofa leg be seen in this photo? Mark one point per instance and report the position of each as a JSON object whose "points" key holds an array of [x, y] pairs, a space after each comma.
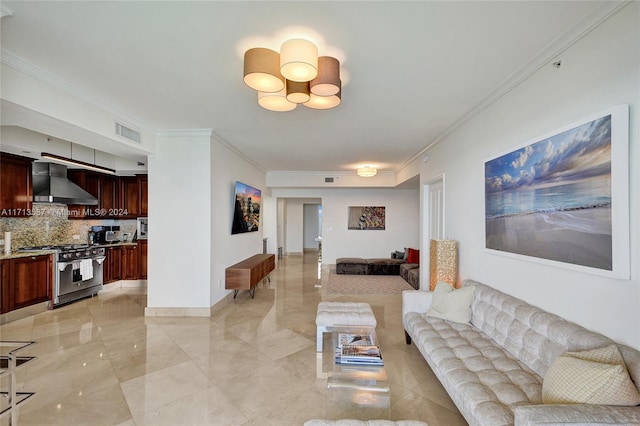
{"points": [[407, 338]]}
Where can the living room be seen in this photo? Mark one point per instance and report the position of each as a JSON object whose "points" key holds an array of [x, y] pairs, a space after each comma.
{"points": [[192, 172]]}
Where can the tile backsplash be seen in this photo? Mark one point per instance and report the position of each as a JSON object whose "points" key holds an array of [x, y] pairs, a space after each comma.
{"points": [[49, 225]]}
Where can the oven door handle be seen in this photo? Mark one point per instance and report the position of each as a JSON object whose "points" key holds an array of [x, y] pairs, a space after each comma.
{"points": [[63, 265]]}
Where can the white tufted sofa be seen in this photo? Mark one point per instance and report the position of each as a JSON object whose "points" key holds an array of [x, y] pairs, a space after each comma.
{"points": [[493, 368]]}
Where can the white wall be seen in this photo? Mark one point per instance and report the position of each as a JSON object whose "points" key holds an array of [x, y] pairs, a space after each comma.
{"points": [[227, 167], [402, 221], [599, 71], [179, 212], [294, 225]]}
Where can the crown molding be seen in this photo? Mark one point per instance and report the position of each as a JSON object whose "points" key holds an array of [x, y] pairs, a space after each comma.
{"points": [[185, 133], [593, 20], [19, 64], [222, 141], [5, 11]]}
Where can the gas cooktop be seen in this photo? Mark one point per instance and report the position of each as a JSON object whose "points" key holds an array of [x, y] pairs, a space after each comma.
{"points": [[55, 247]]}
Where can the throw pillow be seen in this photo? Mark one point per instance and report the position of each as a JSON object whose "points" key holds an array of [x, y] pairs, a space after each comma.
{"points": [[598, 376], [413, 255], [398, 255], [451, 304]]}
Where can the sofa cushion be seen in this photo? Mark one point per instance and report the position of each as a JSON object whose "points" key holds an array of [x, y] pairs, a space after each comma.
{"points": [[413, 255], [451, 304], [597, 376]]}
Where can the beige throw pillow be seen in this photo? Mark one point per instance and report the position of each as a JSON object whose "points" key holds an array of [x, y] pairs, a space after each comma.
{"points": [[598, 376], [451, 304]]}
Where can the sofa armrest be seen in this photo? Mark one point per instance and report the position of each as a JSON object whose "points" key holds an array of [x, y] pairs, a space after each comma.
{"points": [[416, 301], [577, 414]]}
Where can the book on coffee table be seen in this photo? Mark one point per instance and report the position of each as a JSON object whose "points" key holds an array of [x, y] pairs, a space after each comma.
{"points": [[359, 354], [345, 339]]}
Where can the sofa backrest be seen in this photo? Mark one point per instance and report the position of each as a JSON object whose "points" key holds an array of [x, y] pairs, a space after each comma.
{"points": [[534, 336]]}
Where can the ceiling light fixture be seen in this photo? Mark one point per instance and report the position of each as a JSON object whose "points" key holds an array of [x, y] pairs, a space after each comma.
{"points": [[367, 171], [294, 76], [72, 162]]}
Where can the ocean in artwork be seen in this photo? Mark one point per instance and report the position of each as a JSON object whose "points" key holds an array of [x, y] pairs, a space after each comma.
{"points": [[552, 199]]}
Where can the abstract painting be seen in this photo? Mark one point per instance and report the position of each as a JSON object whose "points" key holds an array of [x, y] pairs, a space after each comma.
{"points": [[366, 218]]}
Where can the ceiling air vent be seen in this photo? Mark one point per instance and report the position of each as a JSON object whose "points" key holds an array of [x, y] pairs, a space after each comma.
{"points": [[127, 132], [328, 180]]}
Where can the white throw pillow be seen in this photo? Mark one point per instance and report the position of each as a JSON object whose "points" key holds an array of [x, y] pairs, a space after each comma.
{"points": [[598, 376], [451, 304]]}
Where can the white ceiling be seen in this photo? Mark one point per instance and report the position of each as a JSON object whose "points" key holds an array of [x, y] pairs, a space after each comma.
{"points": [[413, 70]]}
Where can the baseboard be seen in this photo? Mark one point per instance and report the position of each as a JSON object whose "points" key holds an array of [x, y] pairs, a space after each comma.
{"points": [[21, 313], [177, 312]]}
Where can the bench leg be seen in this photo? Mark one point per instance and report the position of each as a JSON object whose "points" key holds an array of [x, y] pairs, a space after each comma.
{"points": [[320, 337], [407, 338]]}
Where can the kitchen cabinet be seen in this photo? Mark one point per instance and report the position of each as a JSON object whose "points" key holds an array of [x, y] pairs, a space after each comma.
{"points": [[4, 286], [143, 182], [26, 281], [109, 200], [142, 259], [122, 197], [130, 196], [112, 269], [16, 196], [130, 262]]}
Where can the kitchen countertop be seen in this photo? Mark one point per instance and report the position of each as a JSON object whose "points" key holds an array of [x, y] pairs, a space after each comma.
{"points": [[19, 254]]}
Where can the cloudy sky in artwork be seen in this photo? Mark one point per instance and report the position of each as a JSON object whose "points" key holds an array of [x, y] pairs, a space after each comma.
{"points": [[581, 153]]}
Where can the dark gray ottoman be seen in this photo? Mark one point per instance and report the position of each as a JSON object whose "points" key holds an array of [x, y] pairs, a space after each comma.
{"points": [[384, 266], [351, 265]]}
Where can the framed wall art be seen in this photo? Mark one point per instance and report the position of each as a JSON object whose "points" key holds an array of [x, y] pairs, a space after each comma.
{"points": [[366, 218], [563, 198]]}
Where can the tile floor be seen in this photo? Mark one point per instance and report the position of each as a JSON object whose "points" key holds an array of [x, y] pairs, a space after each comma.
{"points": [[101, 362]]}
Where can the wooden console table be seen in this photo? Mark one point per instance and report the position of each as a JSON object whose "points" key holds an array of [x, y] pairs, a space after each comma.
{"points": [[245, 275]]}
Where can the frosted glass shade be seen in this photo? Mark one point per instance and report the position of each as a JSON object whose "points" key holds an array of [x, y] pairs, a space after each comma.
{"points": [[324, 102], [367, 171], [298, 60], [298, 92], [275, 101], [262, 70], [443, 263], [327, 82]]}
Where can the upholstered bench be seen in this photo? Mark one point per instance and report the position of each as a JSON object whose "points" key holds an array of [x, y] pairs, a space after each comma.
{"points": [[352, 266], [341, 313], [384, 266]]}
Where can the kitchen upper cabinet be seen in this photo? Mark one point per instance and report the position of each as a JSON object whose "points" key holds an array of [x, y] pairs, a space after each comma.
{"points": [[130, 196], [112, 269], [110, 195], [142, 259], [130, 262], [16, 196], [29, 281], [90, 182], [4, 286], [143, 186]]}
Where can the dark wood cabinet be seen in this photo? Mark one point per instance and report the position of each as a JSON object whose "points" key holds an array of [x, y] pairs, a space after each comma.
{"points": [[16, 196], [130, 196], [130, 262], [90, 182], [142, 259], [109, 200], [26, 281], [112, 270], [144, 189], [118, 197], [4, 286]]}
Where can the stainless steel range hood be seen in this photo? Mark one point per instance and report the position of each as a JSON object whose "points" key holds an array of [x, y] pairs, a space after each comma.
{"points": [[50, 185]]}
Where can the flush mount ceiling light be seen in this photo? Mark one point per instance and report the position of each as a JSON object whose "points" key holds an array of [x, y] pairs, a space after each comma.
{"points": [[367, 171], [294, 76]]}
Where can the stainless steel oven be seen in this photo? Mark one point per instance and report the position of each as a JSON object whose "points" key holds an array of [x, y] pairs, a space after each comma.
{"points": [[80, 274], [77, 271]]}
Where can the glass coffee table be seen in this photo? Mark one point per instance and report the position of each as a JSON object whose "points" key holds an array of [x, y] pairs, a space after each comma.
{"points": [[356, 391]]}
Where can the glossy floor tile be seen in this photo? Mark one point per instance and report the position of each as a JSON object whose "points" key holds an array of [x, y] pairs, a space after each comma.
{"points": [[100, 361]]}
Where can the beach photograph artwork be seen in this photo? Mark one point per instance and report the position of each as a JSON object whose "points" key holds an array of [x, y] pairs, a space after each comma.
{"points": [[552, 199]]}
